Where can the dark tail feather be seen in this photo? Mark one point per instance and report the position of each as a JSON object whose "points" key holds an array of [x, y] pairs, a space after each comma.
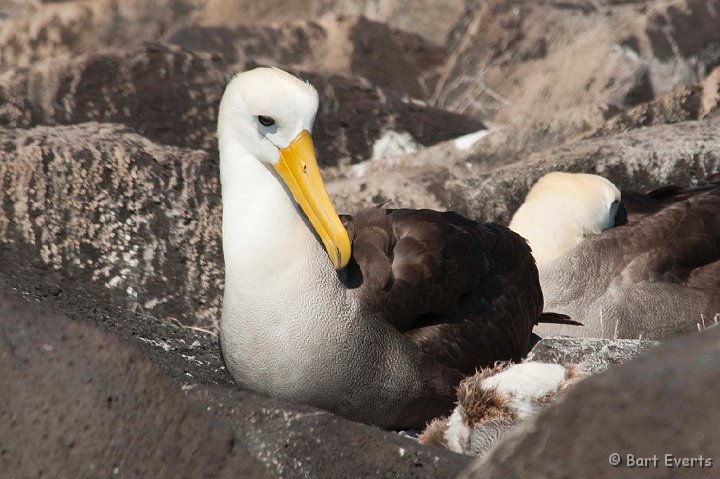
{"points": [[557, 318]]}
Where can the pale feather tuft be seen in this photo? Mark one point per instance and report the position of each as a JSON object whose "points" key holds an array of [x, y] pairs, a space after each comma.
{"points": [[495, 399]]}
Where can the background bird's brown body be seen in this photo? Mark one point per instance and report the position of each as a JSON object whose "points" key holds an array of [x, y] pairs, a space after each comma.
{"points": [[656, 274]]}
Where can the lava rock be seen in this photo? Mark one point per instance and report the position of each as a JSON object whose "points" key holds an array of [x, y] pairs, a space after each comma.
{"points": [[535, 59], [596, 355], [345, 45], [110, 391], [171, 96], [656, 404], [78, 402], [99, 207], [683, 154]]}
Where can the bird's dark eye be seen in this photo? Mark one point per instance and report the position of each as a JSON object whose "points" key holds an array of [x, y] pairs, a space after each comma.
{"points": [[266, 120]]}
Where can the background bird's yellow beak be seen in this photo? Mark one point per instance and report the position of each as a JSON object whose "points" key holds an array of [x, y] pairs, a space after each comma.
{"points": [[299, 169]]}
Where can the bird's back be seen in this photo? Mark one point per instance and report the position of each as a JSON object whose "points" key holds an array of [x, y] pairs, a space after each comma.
{"points": [[467, 294]]}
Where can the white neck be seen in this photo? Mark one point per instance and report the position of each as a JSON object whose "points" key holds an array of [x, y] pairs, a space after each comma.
{"points": [[265, 236], [282, 295]]}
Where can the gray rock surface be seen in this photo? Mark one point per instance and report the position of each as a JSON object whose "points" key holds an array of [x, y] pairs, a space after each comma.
{"points": [[171, 96], [682, 153], [686, 103], [433, 19], [334, 44], [104, 209], [448, 177], [40, 30], [596, 355], [109, 389], [162, 92], [535, 59], [36, 30], [657, 404], [77, 402]]}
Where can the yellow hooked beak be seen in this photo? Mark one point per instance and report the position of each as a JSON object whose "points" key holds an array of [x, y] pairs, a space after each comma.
{"points": [[299, 169]]}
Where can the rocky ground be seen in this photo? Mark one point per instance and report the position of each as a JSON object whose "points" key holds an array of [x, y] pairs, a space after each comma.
{"points": [[111, 215]]}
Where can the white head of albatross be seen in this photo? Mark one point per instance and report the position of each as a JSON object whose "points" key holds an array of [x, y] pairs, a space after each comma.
{"points": [[265, 119], [561, 209]]}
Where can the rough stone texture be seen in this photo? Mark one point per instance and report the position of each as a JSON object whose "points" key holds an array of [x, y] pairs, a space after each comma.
{"points": [[33, 30], [534, 59], [81, 403], [447, 176], [683, 153], [113, 389], [171, 96], [44, 30], [406, 187], [103, 208], [354, 117], [516, 140], [596, 355], [433, 19], [686, 103], [388, 58], [654, 405], [166, 94]]}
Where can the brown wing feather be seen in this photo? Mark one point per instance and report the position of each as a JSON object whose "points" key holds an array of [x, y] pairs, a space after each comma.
{"points": [[467, 294]]}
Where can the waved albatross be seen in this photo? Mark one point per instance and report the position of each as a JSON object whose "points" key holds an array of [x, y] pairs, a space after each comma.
{"points": [[377, 317], [626, 265]]}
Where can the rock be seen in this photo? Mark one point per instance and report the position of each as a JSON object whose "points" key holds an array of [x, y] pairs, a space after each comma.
{"points": [[354, 116], [44, 30], [512, 142], [535, 59], [435, 20], [686, 103], [683, 154], [171, 96], [123, 392], [657, 404], [35, 30], [17, 8], [521, 137], [351, 46], [102, 208], [412, 180], [710, 103], [483, 416], [452, 175], [79, 402], [164, 93], [418, 187], [596, 355]]}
